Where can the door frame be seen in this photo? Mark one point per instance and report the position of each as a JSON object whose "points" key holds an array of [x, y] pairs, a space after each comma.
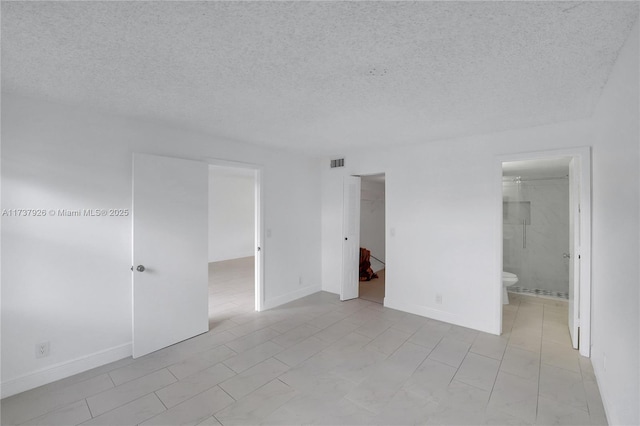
{"points": [[583, 156], [258, 170], [386, 224], [384, 230]]}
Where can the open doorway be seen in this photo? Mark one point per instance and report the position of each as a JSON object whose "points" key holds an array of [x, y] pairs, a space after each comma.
{"points": [[536, 227], [171, 293], [232, 242], [546, 249], [372, 238]]}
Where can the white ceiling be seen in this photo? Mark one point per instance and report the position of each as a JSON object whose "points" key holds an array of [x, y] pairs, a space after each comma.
{"points": [[320, 77]]}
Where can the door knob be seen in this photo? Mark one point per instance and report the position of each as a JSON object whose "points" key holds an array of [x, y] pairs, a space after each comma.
{"points": [[140, 268]]}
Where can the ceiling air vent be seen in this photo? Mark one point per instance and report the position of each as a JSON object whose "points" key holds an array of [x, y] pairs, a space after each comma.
{"points": [[338, 162]]}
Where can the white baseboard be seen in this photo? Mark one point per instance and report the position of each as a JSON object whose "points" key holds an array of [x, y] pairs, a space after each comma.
{"points": [[290, 297], [64, 369], [435, 314], [604, 394]]}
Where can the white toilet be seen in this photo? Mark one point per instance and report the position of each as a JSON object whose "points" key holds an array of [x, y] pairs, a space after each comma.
{"points": [[508, 279]]}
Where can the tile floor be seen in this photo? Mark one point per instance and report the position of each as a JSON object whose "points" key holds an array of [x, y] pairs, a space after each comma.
{"points": [[321, 361]]}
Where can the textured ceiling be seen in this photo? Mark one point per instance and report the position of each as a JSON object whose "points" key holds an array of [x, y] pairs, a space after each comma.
{"points": [[320, 77]]}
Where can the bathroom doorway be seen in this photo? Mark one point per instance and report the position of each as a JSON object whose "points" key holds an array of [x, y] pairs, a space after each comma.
{"points": [[372, 237], [545, 237], [536, 251]]}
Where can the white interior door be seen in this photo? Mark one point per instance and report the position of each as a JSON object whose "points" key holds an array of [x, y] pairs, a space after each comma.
{"points": [[170, 208], [351, 243], [574, 245]]}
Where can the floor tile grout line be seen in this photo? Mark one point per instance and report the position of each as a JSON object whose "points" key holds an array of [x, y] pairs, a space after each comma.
{"points": [[161, 401], [504, 372], [127, 403], [585, 390], [171, 372], [217, 419], [88, 408], [111, 378], [501, 361], [155, 393], [223, 390], [139, 377], [59, 406]]}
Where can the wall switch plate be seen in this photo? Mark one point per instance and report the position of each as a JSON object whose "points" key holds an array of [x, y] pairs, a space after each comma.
{"points": [[42, 349], [439, 298]]}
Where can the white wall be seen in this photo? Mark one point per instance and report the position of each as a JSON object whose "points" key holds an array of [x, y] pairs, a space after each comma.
{"points": [[67, 280], [231, 213], [615, 270], [372, 229], [443, 201]]}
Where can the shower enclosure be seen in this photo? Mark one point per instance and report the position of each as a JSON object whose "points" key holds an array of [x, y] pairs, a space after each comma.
{"points": [[536, 234]]}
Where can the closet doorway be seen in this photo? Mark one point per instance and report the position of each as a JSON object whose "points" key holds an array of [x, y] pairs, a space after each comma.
{"points": [[372, 238]]}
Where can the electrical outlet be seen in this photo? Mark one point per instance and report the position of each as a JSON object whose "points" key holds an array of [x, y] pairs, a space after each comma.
{"points": [[42, 350], [300, 280], [439, 298]]}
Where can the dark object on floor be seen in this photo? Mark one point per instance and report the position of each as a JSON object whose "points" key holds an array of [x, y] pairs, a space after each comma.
{"points": [[366, 273]]}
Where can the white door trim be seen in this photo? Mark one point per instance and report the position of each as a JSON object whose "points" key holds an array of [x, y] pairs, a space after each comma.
{"points": [[583, 156], [259, 222]]}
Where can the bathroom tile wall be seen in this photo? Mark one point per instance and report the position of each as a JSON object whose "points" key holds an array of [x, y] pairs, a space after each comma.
{"points": [[539, 263]]}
